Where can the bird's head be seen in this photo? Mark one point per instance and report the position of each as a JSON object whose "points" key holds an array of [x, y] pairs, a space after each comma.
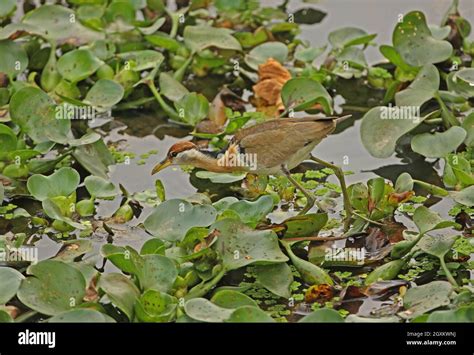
{"points": [[181, 153]]}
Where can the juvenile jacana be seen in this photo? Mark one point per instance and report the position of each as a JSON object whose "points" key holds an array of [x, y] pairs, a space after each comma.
{"points": [[274, 147]]}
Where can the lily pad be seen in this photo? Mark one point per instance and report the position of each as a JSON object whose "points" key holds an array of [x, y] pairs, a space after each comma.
{"points": [[173, 218], [10, 281], [240, 245], [53, 287], [413, 40], [63, 182], [439, 144]]}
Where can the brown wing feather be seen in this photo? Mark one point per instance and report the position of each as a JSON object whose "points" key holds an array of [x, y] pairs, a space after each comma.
{"points": [[274, 142]]}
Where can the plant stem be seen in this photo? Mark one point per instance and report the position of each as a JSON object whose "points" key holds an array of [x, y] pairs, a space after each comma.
{"points": [[367, 219], [179, 74], [167, 108], [448, 118], [449, 276], [203, 288]]}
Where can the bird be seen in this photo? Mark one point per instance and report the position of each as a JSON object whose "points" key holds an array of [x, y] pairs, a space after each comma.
{"points": [[273, 147]]}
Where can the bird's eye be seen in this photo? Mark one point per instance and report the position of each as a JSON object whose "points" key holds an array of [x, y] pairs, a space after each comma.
{"points": [[173, 154]]}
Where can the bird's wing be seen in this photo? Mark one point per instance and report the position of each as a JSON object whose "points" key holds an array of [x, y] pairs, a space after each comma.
{"points": [[275, 142]]}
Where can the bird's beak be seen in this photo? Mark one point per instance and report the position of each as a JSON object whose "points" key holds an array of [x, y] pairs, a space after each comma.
{"points": [[160, 166]]}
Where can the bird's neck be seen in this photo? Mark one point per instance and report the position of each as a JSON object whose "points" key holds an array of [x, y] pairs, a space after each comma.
{"points": [[212, 164]]}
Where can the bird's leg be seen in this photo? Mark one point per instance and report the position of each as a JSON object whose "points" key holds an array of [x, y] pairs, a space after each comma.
{"points": [[310, 200], [340, 176]]}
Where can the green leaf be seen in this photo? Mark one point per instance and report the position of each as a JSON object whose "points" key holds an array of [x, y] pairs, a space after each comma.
{"points": [[10, 281], [263, 52], [99, 187], [142, 60], [71, 249], [349, 36], [413, 40], [95, 158], [404, 183], [63, 182], [36, 114], [14, 59], [173, 218], [105, 93], [380, 133], [438, 144], [171, 88], [437, 245], [53, 287], [192, 108], [121, 291], [198, 38], [8, 140], [324, 315], [388, 271], [7, 7], [249, 314], [155, 272], [422, 89], [309, 54], [205, 311], [57, 212], [302, 93], [231, 299], [81, 316], [427, 220], [221, 178], [465, 196], [468, 125], [78, 64], [252, 212], [240, 245], [304, 226], [276, 278], [462, 82], [422, 299], [155, 307], [461, 315]]}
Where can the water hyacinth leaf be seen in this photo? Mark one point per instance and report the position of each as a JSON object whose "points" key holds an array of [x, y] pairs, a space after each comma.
{"points": [[393, 56], [192, 108], [53, 287], [309, 16], [276, 278], [10, 280], [142, 60], [78, 65], [437, 245], [263, 52], [8, 140], [198, 38], [60, 24], [303, 93], [380, 133], [221, 178], [153, 246], [249, 314], [404, 183], [154, 27], [421, 299], [304, 226], [155, 307], [156, 272], [7, 7], [349, 36], [204, 310], [427, 220], [465, 196], [438, 144], [325, 315], [104, 93], [62, 182], [413, 40], [14, 59], [171, 88], [240, 245], [468, 125], [119, 256], [121, 291], [163, 40], [422, 89], [252, 212], [460, 315], [5, 317], [54, 211], [36, 114], [231, 299], [462, 82], [81, 316], [439, 32], [95, 158], [309, 54], [72, 249], [99, 187], [173, 218], [388, 271]]}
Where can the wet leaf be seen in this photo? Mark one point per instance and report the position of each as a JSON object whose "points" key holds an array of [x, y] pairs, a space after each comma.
{"points": [[422, 299], [460, 315], [303, 93], [276, 278], [14, 59], [155, 307], [63, 182], [105, 93], [249, 314], [464, 197], [10, 281], [221, 178], [198, 38], [323, 316], [173, 218], [439, 144], [231, 299], [437, 245], [155, 272], [142, 60], [192, 108], [53, 287], [121, 291], [72, 249], [252, 212], [95, 158], [260, 54], [427, 220], [99, 187], [349, 36], [422, 89], [78, 65], [305, 226], [413, 40], [462, 82], [172, 88], [81, 316], [205, 311], [387, 271]]}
